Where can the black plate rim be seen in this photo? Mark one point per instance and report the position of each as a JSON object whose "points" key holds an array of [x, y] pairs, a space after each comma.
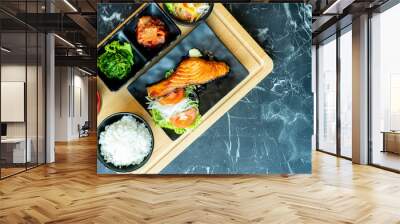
{"points": [[143, 56], [129, 168]]}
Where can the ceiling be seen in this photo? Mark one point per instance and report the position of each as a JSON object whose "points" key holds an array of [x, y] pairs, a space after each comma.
{"points": [[74, 21], [16, 43], [332, 15]]}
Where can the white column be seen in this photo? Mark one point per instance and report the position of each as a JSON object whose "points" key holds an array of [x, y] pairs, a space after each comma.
{"points": [[314, 91], [360, 90], [50, 94]]}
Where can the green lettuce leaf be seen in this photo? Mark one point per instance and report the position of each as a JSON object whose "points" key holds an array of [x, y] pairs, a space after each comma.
{"points": [[170, 7]]}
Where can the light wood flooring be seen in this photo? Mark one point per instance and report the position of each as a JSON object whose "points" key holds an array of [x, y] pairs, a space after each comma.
{"points": [[10, 171], [5, 172], [70, 191], [387, 159]]}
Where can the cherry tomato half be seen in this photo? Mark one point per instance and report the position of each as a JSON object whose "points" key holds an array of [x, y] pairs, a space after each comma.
{"points": [[184, 119]]}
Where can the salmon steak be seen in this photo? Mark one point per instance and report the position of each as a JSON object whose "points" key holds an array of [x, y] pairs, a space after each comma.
{"points": [[191, 71]]}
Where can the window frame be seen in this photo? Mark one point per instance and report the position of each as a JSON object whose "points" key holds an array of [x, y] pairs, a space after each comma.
{"points": [[334, 37]]}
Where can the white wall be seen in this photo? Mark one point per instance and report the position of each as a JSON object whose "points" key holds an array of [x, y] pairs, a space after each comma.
{"points": [[12, 73], [71, 94], [33, 127], [80, 110], [16, 73], [61, 103]]}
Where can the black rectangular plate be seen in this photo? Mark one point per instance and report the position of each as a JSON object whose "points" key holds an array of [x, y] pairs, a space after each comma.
{"points": [[139, 62], [142, 55], [153, 10], [204, 39]]}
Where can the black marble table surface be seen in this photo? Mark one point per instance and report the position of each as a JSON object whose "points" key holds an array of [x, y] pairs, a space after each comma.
{"points": [[269, 130]]}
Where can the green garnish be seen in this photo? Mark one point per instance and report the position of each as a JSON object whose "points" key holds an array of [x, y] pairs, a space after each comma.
{"points": [[190, 90], [117, 60], [170, 7], [168, 73]]}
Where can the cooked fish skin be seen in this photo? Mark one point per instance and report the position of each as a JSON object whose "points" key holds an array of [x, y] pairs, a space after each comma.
{"points": [[191, 71]]}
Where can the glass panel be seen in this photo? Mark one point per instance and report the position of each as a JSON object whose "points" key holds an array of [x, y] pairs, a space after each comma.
{"points": [[32, 88], [23, 82], [13, 86], [327, 96], [14, 154], [385, 84], [346, 94], [32, 98]]}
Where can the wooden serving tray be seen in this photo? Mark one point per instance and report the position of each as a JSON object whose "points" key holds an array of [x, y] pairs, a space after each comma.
{"points": [[239, 42]]}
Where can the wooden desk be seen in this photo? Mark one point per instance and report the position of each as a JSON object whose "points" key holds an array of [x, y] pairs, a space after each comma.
{"points": [[391, 141]]}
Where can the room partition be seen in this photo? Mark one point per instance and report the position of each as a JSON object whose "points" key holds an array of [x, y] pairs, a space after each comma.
{"points": [[23, 87]]}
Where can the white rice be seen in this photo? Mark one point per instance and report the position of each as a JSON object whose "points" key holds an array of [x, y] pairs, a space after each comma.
{"points": [[125, 142]]}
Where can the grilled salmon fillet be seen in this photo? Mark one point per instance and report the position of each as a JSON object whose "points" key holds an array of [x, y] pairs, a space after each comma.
{"points": [[191, 71]]}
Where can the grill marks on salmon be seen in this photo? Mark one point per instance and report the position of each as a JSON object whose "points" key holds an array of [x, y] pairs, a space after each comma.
{"points": [[191, 71]]}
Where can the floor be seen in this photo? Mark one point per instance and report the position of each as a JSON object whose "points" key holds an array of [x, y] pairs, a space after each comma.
{"points": [[10, 171], [387, 159], [70, 191], [5, 172]]}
